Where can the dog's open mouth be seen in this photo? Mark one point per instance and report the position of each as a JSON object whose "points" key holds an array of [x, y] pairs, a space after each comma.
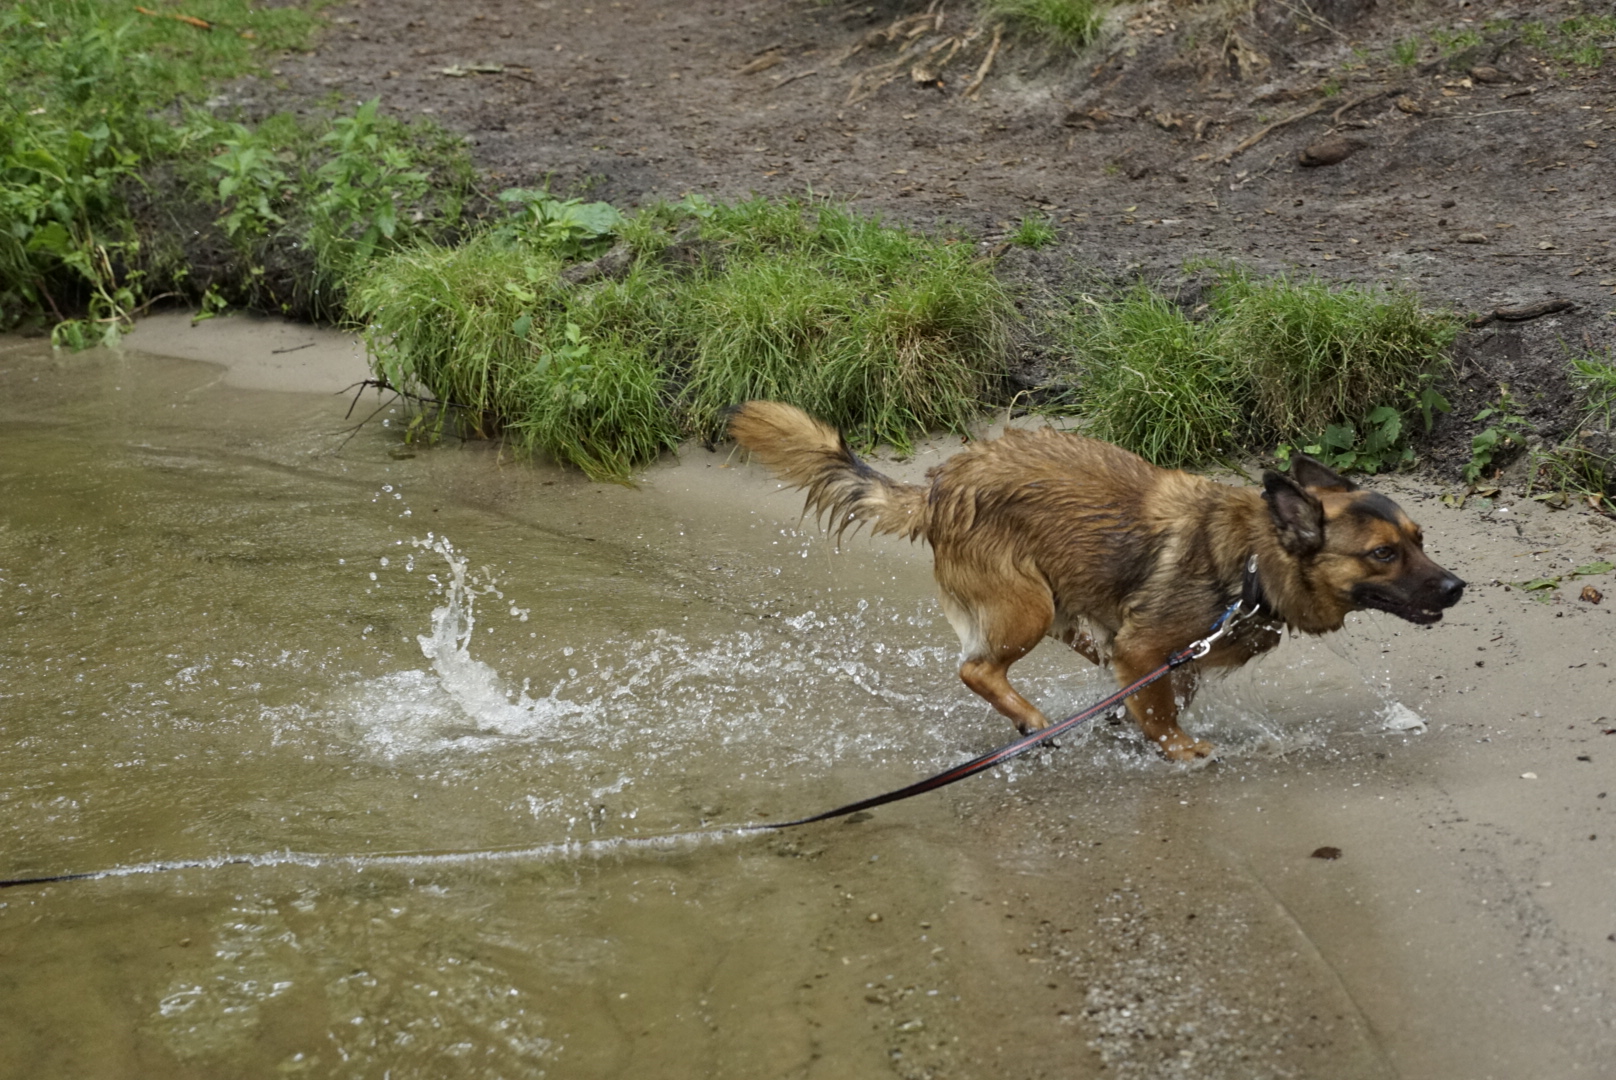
{"points": [[1420, 616]]}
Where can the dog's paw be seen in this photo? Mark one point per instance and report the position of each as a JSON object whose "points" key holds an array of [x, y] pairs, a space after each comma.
{"points": [[1195, 750]]}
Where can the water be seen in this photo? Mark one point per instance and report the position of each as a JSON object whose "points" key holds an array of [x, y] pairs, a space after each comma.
{"points": [[436, 766]]}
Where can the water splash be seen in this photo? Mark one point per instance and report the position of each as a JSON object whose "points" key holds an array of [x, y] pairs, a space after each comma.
{"points": [[461, 698]]}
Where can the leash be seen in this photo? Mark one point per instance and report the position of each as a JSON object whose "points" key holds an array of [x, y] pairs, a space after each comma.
{"points": [[1241, 610], [1250, 604]]}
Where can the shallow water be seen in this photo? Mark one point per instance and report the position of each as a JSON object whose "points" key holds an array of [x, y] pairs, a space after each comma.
{"points": [[432, 766]]}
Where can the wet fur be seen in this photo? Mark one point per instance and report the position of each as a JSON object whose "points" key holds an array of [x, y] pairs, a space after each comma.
{"points": [[1042, 533]]}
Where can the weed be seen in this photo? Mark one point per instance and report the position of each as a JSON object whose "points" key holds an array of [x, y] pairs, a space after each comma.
{"points": [[1156, 382], [571, 228], [1034, 232], [85, 83], [1406, 52], [1499, 439], [1318, 355], [1067, 23]]}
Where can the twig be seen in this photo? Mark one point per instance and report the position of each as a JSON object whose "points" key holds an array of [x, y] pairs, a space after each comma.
{"points": [[1252, 140], [974, 87], [189, 20], [1335, 117], [778, 83], [1469, 115], [295, 348]]}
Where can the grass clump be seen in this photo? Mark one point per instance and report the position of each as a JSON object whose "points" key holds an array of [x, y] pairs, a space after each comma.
{"points": [[1317, 354], [878, 330], [1338, 372], [1157, 382], [1033, 232], [603, 343], [1068, 23]]}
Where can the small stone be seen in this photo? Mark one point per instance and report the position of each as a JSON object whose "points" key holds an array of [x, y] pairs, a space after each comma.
{"points": [[875, 916], [1484, 74], [1328, 151], [1591, 595], [1409, 105], [1471, 238], [1528, 776], [1330, 853]]}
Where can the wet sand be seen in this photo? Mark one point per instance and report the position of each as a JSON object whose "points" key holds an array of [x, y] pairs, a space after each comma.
{"points": [[699, 658]]}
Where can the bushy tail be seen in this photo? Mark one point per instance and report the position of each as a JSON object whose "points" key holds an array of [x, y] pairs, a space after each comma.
{"points": [[808, 454]]}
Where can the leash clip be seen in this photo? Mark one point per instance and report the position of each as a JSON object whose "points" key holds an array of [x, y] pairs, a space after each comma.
{"points": [[1234, 615]]}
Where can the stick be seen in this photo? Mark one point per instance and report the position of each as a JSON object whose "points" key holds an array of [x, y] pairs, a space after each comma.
{"points": [[778, 83], [974, 87], [1252, 140], [189, 20]]}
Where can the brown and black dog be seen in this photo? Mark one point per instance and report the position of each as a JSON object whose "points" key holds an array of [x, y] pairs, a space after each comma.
{"points": [[1043, 533]]}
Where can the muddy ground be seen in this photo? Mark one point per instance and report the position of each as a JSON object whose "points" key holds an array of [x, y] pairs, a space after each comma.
{"points": [[1481, 178]]}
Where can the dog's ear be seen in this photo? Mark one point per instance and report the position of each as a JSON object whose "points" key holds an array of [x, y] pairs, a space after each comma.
{"points": [[1298, 517], [1314, 474]]}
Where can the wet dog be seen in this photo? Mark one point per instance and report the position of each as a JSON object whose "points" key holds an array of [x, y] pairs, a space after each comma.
{"points": [[1041, 533]]}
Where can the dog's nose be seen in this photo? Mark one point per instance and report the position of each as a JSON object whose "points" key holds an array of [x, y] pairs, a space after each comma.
{"points": [[1449, 590]]}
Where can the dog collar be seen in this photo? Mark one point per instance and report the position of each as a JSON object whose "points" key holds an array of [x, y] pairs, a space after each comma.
{"points": [[1252, 597]]}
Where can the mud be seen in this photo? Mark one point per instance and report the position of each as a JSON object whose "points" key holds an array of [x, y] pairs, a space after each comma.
{"points": [[1133, 146], [472, 725]]}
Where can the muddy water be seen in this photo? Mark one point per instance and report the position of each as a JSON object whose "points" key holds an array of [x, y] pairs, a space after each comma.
{"points": [[425, 766]]}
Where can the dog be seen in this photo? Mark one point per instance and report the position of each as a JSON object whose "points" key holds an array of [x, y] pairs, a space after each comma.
{"points": [[1043, 533]]}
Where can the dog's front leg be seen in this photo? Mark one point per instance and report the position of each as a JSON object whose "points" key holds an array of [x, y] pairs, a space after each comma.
{"points": [[1156, 710]]}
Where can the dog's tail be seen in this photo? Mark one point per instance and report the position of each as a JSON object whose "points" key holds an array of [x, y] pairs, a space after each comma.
{"points": [[808, 454]]}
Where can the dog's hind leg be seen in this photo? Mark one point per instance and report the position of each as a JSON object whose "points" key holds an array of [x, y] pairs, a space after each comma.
{"points": [[995, 634]]}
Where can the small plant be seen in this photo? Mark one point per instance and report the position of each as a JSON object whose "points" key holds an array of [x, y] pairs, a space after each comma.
{"points": [[1155, 381], [1500, 438], [1068, 23], [1034, 232], [1406, 52], [571, 228], [249, 177]]}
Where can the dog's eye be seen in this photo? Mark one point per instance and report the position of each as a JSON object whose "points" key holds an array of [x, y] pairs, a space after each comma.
{"points": [[1384, 553]]}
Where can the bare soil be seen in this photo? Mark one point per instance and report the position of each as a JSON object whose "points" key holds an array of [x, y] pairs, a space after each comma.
{"points": [[1140, 147]]}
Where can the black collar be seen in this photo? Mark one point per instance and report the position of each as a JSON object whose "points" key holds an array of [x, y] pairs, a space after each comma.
{"points": [[1252, 597]]}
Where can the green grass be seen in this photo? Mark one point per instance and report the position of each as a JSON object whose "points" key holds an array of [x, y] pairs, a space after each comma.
{"points": [[1338, 371], [1580, 41], [1034, 232], [1068, 23], [1318, 354], [103, 108], [1156, 382], [87, 83], [883, 332]]}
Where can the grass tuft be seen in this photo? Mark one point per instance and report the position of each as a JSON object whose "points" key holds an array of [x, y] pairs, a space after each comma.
{"points": [[1068, 23], [1034, 232], [1333, 370], [1317, 354], [1156, 382]]}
